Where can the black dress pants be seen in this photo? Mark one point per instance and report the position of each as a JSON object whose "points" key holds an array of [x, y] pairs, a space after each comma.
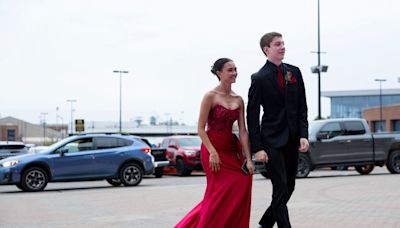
{"points": [[282, 170]]}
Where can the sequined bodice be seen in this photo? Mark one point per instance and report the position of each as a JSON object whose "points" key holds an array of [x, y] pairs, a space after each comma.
{"points": [[222, 119]]}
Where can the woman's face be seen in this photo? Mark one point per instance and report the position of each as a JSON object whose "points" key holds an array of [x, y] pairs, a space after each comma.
{"points": [[228, 72]]}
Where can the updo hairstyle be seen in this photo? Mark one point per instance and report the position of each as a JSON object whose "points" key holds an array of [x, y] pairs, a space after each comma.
{"points": [[218, 65]]}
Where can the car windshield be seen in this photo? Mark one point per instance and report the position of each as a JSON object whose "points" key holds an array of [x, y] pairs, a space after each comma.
{"points": [[190, 142]]}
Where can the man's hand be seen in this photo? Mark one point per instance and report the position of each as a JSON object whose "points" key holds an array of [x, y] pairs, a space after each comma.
{"points": [[303, 145], [261, 155]]}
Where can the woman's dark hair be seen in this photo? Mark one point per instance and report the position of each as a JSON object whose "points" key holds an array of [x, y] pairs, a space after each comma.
{"points": [[218, 65]]}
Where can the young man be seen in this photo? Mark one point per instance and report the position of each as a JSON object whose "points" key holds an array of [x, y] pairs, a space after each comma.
{"points": [[277, 87]]}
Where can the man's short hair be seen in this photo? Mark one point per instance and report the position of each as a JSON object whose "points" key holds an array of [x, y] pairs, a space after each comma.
{"points": [[267, 39]]}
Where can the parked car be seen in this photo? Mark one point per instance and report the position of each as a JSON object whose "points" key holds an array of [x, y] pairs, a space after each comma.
{"points": [[183, 153], [12, 148], [349, 142], [160, 158], [117, 158]]}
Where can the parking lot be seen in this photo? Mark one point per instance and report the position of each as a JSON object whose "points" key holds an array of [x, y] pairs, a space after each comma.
{"points": [[325, 199]]}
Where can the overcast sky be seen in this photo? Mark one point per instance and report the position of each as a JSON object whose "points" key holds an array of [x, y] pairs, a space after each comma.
{"points": [[54, 50]]}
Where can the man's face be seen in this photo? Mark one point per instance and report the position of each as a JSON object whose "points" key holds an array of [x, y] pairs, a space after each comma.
{"points": [[276, 50]]}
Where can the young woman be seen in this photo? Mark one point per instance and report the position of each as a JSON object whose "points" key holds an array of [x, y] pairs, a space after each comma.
{"points": [[227, 198]]}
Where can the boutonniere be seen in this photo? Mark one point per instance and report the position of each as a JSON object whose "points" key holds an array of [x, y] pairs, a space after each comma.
{"points": [[289, 78]]}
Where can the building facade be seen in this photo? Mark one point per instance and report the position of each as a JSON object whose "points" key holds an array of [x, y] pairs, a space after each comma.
{"points": [[367, 104], [13, 129], [346, 104], [390, 118]]}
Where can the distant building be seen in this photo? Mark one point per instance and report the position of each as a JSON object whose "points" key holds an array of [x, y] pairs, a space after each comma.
{"points": [[366, 104], [13, 129], [352, 103], [132, 128], [390, 118]]}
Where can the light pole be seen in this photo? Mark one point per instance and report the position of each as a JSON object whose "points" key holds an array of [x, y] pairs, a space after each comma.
{"points": [[380, 102], [167, 120], [61, 126], [120, 96], [43, 114], [72, 115], [319, 68]]}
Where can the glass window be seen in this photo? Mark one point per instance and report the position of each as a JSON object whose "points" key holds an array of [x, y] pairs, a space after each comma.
{"points": [[354, 128], [110, 142], [396, 125], [332, 130], [172, 142], [12, 147], [124, 142], [352, 106], [190, 142], [165, 143], [11, 134], [79, 145], [379, 126], [106, 143]]}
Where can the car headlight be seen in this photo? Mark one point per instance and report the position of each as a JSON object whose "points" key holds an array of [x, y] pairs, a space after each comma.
{"points": [[190, 152], [9, 163]]}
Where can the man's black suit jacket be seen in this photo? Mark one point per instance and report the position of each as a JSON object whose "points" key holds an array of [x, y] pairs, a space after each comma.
{"points": [[284, 115]]}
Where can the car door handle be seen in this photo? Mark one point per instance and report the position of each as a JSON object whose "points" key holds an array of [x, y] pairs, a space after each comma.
{"points": [[344, 141]]}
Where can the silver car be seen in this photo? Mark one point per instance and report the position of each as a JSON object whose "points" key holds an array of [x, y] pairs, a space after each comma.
{"points": [[12, 148]]}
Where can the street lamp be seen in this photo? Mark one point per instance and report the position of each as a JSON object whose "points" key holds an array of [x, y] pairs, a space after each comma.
{"points": [[319, 68], [72, 116], [43, 114], [380, 102], [61, 130], [120, 96]]}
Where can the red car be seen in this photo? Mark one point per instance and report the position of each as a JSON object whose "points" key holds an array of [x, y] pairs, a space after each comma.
{"points": [[183, 153]]}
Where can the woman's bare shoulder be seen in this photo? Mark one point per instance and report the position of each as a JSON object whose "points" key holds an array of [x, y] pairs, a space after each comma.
{"points": [[210, 95]]}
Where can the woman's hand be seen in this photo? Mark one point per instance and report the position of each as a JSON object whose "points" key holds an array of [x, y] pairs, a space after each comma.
{"points": [[214, 161], [250, 166]]}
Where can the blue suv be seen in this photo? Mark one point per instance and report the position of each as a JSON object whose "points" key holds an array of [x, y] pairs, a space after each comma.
{"points": [[117, 158]]}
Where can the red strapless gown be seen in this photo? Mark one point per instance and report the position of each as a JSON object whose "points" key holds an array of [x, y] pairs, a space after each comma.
{"points": [[227, 199]]}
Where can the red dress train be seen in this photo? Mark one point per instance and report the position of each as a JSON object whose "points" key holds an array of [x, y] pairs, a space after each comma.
{"points": [[227, 198]]}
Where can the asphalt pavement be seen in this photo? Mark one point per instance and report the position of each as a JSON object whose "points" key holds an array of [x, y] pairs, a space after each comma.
{"points": [[325, 199]]}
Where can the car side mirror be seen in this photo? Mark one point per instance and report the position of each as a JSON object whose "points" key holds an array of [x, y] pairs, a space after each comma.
{"points": [[322, 135], [63, 151], [172, 146]]}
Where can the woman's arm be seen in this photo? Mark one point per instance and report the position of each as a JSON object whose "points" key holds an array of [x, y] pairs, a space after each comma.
{"points": [[206, 105]]}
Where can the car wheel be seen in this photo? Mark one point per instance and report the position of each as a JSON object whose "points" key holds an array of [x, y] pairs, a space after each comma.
{"points": [[131, 174], [393, 162], [364, 169], [34, 179], [304, 166], [181, 168], [114, 181], [159, 172]]}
